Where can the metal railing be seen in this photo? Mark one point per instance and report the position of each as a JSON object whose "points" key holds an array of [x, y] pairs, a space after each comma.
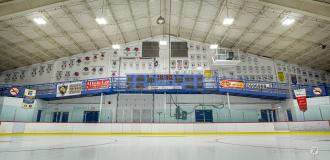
{"points": [[185, 83]]}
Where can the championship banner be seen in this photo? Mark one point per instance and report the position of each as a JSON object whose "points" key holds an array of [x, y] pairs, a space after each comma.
{"points": [[68, 89], [97, 84], [29, 98], [301, 99], [236, 84]]}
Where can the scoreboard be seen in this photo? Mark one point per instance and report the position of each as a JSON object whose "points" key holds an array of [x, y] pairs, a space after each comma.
{"points": [[164, 81]]}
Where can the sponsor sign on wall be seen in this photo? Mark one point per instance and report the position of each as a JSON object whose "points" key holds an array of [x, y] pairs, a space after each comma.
{"points": [[68, 89], [236, 84], [29, 98], [317, 91], [257, 85], [281, 76], [97, 84], [207, 73], [301, 99]]}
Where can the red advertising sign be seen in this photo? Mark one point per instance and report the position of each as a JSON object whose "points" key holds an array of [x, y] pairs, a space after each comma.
{"points": [[236, 84], [97, 84], [301, 99]]}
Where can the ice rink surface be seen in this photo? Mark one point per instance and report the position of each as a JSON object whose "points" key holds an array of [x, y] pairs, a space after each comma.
{"points": [[222, 147]]}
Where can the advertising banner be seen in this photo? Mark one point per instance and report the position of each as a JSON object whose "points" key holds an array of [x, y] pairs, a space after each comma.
{"points": [[207, 73], [97, 84], [281, 76], [68, 89], [236, 84], [256, 85], [301, 99], [317, 91], [29, 98]]}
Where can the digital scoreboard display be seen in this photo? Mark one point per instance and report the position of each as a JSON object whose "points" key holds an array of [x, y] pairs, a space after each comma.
{"points": [[164, 80]]}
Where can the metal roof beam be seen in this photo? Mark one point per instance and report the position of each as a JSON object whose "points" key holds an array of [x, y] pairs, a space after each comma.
{"points": [[62, 31], [98, 26], [301, 40], [307, 7], [14, 7], [249, 27], [49, 39], [149, 17], [180, 19], [79, 26], [267, 30], [133, 19], [311, 49], [44, 51], [236, 17], [196, 18], [221, 6], [265, 50], [22, 52], [109, 4]]}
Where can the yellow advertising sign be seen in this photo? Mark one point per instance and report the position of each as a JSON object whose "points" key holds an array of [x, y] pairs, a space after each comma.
{"points": [[281, 76], [207, 73]]}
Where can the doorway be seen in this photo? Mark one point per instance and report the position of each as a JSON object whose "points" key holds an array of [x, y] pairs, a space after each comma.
{"points": [[59, 117], [91, 116], [204, 115], [39, 115], [268, 115], [288, 112]]}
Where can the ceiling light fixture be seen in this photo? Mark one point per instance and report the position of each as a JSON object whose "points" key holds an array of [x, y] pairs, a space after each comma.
{"points": [[160, 19], [116, 46], [214, 46], [101, 20], [228, 20], [162, 42], [39, 21], [288, 21]]}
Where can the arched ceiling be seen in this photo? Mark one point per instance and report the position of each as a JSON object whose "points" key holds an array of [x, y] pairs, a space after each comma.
{"points": [[71, 27]]}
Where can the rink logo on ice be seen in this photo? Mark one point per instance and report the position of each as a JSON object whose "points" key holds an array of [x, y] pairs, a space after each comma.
{"points": [[68, 89]]}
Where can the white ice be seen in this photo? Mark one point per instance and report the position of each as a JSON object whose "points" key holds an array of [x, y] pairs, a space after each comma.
{"points": [[222, 147]]}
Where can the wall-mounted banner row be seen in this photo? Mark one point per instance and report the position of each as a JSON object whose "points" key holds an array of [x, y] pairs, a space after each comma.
{"points": [[68, 89]]}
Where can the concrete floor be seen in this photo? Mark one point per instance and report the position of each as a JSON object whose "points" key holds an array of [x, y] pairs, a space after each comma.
{"points": [[223, 147]]}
